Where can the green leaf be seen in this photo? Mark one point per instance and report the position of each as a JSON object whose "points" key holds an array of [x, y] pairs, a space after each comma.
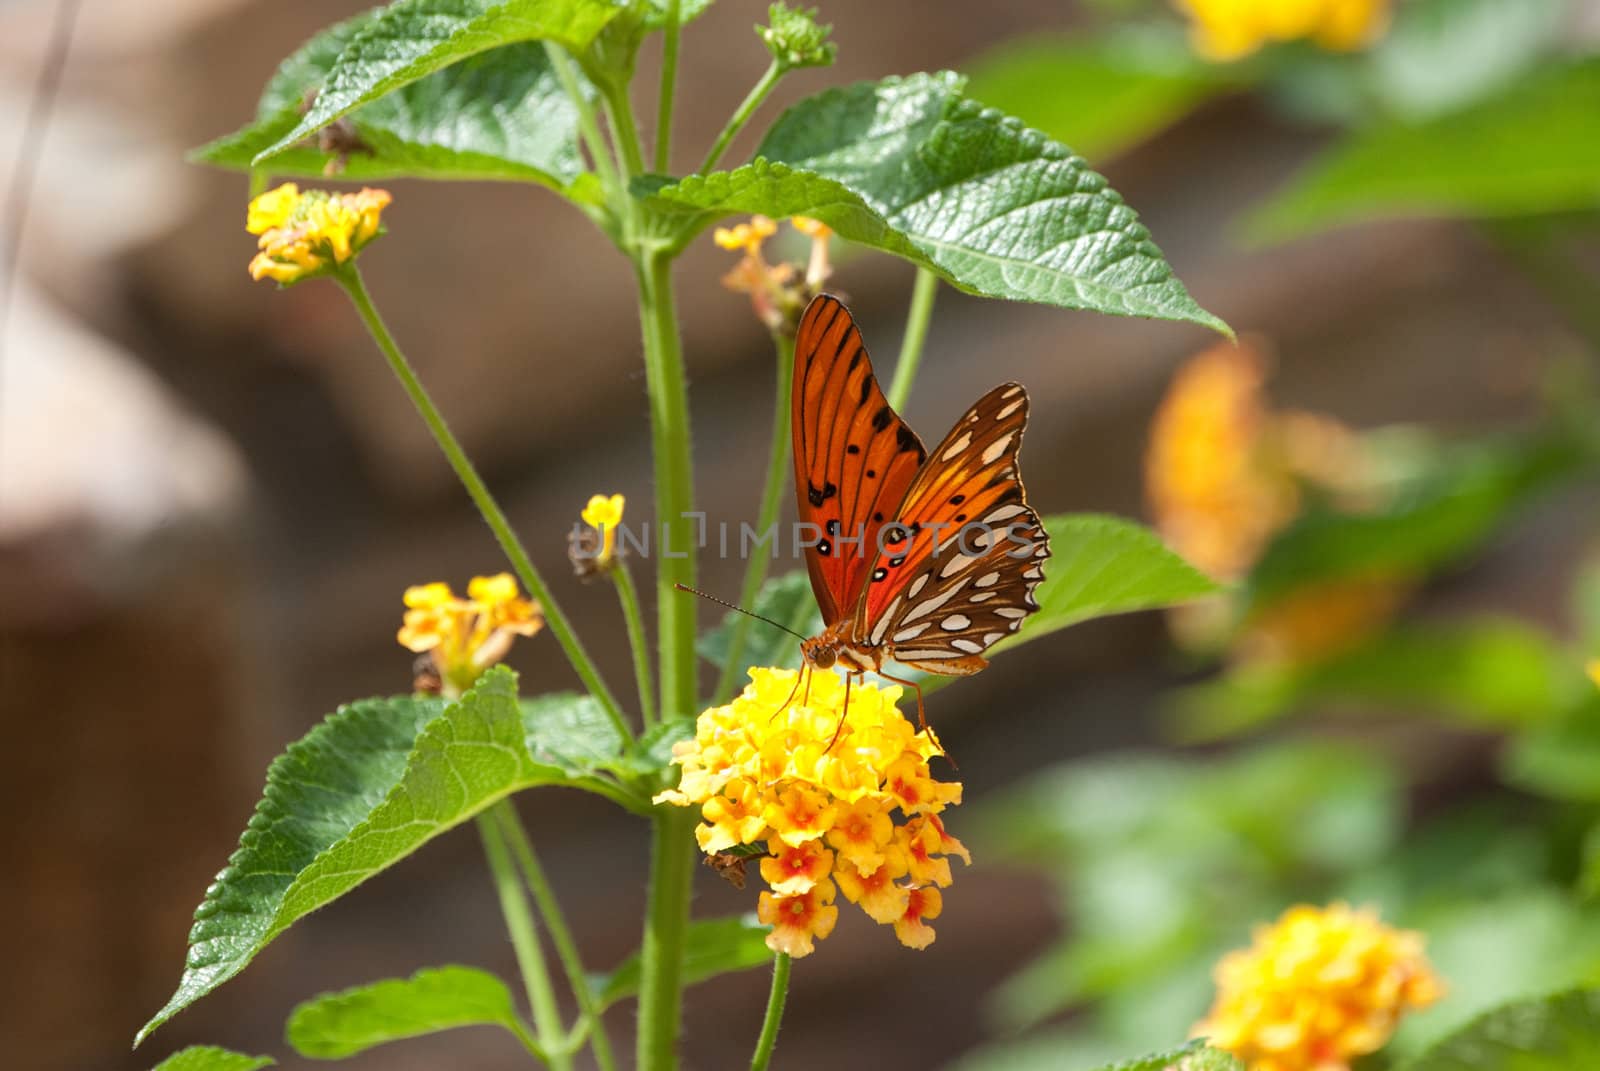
{"points": [[1551, 1033], [1561, 760], [786, 599], [1102, 565], [370, 785], [1532, 150], [715, 946], [1447, 509], [913, 167], [499, 116], [211, 1058], [411, 39], [1101, 95], [1490, 673], [336, 1025]]}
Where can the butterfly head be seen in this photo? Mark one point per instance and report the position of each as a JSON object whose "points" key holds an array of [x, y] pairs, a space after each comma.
{"points": [[820, 651]]}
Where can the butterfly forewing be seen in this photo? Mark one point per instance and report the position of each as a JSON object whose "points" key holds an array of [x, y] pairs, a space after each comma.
{"points": [[965, 553], [854, 458]]}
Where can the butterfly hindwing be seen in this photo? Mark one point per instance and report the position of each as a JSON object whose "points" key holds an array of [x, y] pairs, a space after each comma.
{"points": [[962, 576], [854, 458]]}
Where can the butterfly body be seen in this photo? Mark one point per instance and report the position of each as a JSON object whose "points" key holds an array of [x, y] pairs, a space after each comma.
{"points": [[925, 559]]}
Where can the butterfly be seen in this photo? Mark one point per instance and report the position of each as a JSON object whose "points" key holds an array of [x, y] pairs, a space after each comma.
{"points": [[923, 559]]}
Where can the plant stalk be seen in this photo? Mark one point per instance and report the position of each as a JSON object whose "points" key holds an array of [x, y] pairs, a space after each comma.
{"points": [[628, 595], [544, 898], [756, 569], [665, 934], [774, 1017], [525, 939], [917, 319], [669, 85], [741, 115], [493, 515]]}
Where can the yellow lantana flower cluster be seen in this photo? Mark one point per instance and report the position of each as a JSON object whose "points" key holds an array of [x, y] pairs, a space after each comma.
{"points": [[817, 789], [775, 294], [1316, 989], [1232, 29], [463, 637], [311, 233]]}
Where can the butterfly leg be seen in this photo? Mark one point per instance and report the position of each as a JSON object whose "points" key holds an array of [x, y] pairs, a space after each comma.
{"points": [[805, 669], [845, 714]]}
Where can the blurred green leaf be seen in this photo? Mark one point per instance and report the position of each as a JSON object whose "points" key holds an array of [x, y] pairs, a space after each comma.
{"points": [[1551, 1033], [715, 946], [1561, 760], [336, 1025], [1098, 94], [1437, 515], [1589, 872], [1532, 150], [411, 39], [1490, 673], [1489, 951], [1442, 54], [367, 788], [912, 167], [498, 116], [210, 1058]]}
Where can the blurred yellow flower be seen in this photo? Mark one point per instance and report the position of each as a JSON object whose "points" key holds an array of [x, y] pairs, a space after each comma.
{"points": [[1593, 669], [1215, 496], [746, 236], [1232, 29], [466, 636], [311, 233], [776, 295], [816, 787], [1316, 989]]}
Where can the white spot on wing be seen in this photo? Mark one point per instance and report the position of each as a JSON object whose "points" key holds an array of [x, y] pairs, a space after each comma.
{"points": [[928, 606], [969, 646], [912, 633], [996, 448], [955, 565], [955, 623], [953, 451], [1008, 410], [987, 580], [1004, 513], [1011, 611]]}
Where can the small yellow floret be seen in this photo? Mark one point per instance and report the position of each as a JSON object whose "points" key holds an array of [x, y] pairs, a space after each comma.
{"points": [[309, 233], [1225, 30], [466, 636]]}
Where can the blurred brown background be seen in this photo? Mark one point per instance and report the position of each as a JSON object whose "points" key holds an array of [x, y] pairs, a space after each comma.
{"points": [[212, 495]]}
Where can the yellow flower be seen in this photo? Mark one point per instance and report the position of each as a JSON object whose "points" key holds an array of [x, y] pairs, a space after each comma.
{"points": [[1593, 669], [1232, 29], [595, 551], [817, 786], [811, 228], [797, 920], [466, 636], [746, 236], [922, 903], [311, 233], [1316, 989]]}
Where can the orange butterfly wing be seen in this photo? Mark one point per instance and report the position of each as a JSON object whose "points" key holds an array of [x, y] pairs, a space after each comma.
{"points": [[854, 458], [962, 576]]}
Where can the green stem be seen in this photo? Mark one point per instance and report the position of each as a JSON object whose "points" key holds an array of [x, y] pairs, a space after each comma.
{"points": [[665, 934], [525, 939], [669, 84], [493, 515], [629, 597], [566, 948], [674, 474], [588, 125], [624, 131], [775, 1002], [905, 369], [742, 114], [755, 570]]}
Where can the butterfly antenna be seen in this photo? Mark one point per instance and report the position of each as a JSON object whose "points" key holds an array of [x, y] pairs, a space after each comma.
{"points": [[740, 609]]}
